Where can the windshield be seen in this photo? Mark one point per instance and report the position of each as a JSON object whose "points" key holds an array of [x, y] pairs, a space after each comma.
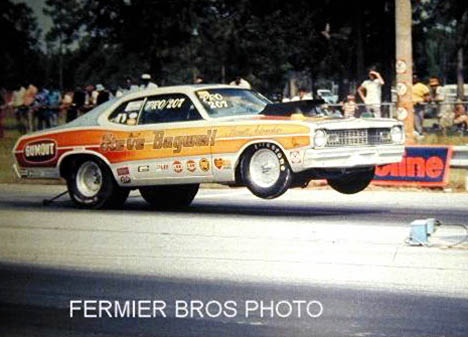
{"points": [[228, 102]]}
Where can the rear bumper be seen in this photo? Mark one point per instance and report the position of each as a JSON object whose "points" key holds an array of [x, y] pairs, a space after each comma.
{"points": [[36, 172], [352, 157]]}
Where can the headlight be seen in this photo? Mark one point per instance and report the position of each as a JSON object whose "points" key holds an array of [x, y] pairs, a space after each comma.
{"points": [[320, 138], [397, 135]]}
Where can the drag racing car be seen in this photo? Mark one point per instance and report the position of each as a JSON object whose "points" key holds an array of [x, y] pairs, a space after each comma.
{"points": [[166, 141]]}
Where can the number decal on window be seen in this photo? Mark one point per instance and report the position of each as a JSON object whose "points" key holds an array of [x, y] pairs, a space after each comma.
{"points": [[171, 103]]}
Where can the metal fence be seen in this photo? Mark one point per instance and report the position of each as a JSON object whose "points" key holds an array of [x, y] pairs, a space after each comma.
{"points": [[389, 110]]}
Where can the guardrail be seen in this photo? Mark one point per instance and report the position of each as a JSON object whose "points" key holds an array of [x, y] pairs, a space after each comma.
{"points": [[388, 109], [459, 157]]}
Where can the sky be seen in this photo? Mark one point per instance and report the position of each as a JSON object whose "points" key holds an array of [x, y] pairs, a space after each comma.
{"points": [[43, 21]]}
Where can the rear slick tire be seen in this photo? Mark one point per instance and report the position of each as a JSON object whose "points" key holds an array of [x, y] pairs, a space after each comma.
{"points": [[353, 182], [92, 185], [169, 196]]}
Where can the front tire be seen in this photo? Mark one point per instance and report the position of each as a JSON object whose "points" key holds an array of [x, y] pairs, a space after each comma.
{"points": [[265, 171], [91, 185], [353, 182], [169, 196]]}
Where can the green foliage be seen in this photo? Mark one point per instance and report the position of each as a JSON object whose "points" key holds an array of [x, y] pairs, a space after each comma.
{"points": [[19, 55], [263, 40]]}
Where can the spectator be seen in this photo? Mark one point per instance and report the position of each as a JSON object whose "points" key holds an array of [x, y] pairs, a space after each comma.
{"points": [[20, 109], [146, 82], [127, 87], [437, 96], [53, 102], [460, 119], [199, 80], [103, 94], [89, 99], [66, 104], [241, 83], [349, 107], [302, 95], [41, 111], [421, 95], [5, 105], [78, 104], [370, 92], [28, 101]]}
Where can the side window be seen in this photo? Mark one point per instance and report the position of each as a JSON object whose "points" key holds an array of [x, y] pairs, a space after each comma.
{"points": [[127, 113], [168, 108]]}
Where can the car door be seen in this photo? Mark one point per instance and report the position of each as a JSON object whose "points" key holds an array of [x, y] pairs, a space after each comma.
{"points": [[177, 142]]}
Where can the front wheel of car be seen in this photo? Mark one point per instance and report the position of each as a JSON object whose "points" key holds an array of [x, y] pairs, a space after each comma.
{"points": [[91, 185], [353, 182], [169, 196], [265, 170]]}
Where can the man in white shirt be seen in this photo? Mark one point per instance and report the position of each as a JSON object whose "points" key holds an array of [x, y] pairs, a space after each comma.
{"points": [[241, 83], [303, 94], [370, 92], [147, 84], [128, 87]]}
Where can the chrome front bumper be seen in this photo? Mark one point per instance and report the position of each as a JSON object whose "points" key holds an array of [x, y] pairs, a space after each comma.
{"points": [[353, 156]]}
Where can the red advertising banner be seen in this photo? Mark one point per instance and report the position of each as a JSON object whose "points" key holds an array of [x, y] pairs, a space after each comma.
{"points": [[421, 166]]}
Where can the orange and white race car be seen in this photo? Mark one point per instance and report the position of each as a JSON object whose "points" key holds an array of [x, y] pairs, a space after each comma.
{"points": [[166, 141]]}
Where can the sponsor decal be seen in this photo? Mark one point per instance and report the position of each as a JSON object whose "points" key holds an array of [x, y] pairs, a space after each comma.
{"points": [[177, 166], [204, 164], [191, 166], [177, 143], [421, 165], [401, 89], [144, 168], [134, 142], [162, 167], [227, 164], [221, 163], [40, 151], [134, 106], [214, 101], [295, 157], [250, 131], [402, 114], [125, 180], [110, 143], [400, 66], [276, 150], [123, 171], [218, 163]]}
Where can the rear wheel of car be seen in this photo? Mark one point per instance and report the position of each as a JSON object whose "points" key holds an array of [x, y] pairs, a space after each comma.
{"points": [[353, 182], [169, 196], [91, 185], [265, 170]]}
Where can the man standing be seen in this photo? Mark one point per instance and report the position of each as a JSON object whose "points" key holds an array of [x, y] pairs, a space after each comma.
{"points": [[421, 95], [146, 82], [241, 83], [370, 92], [349, 107], [303, 94]]}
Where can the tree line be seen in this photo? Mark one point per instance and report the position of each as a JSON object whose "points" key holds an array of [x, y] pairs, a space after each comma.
{"points": [[264, 41]]}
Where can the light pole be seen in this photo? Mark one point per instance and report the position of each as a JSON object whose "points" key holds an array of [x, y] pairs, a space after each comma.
{"points": [[404, 66]]}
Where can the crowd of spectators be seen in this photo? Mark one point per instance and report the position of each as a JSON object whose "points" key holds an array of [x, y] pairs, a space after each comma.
{"points": [[37, 108], [44, 107]]}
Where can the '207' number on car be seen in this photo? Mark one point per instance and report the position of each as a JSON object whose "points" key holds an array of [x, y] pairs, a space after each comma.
{"points": [[171, 103]]}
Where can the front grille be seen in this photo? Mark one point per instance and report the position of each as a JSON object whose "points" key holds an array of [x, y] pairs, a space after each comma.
{"points": [[356, 137]]}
